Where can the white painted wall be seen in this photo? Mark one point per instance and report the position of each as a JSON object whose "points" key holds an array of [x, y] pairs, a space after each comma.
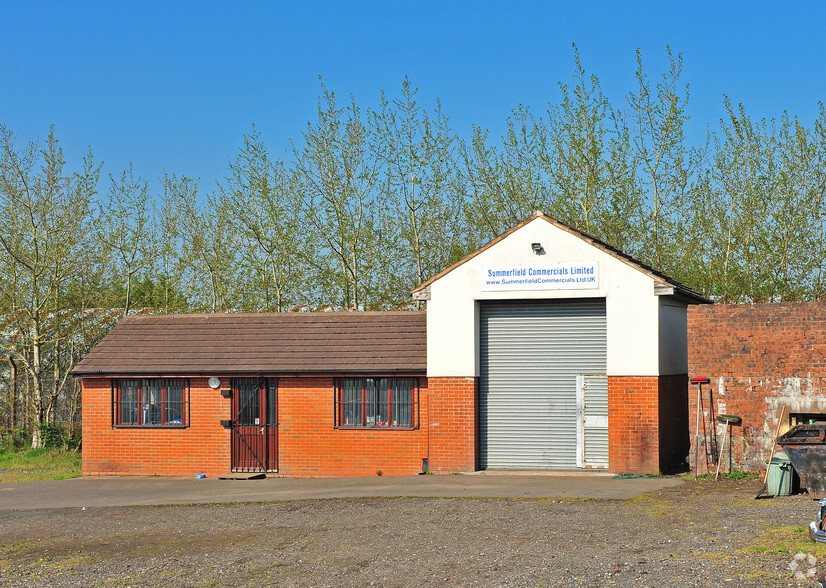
{"points": [[632, 309]]}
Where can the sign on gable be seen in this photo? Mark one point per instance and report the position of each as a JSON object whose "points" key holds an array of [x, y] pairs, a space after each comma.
{"points": [[570, 275]]}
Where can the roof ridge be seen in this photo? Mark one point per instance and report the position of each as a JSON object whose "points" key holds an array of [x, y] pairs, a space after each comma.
{"points": [[592, 240]]}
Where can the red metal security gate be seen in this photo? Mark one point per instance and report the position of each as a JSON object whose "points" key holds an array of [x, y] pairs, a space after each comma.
{"points": [[254, 425]]}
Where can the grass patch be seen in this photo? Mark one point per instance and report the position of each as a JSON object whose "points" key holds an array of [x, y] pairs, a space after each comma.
{"points": [[66, 564], [789, 539], [38, 464]]}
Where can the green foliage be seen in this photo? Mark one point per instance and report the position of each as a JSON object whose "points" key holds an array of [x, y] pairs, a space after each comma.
{"points": [[45, 245], [339, 174], [57, 437], [50, 435], [263, 209], [733, 475], [741, 475], [372, 201], [38, 464], [419, 187], [14, 440], [147, 292], [124, 228]]}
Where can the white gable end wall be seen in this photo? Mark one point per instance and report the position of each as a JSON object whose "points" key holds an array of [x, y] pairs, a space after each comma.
{"points": [[632, 309]]}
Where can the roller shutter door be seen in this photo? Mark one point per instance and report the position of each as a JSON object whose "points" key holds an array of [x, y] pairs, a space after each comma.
{"points": [[531, 353]]}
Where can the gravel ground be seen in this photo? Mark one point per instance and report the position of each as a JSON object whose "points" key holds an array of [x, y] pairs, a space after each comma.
{"points": [[693, 534]]}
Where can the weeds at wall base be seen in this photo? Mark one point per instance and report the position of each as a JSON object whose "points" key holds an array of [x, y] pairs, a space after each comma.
{"points": [[735, 475]]}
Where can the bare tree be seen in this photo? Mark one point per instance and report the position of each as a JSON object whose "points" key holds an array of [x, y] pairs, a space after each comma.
{"points": [[657, 119], [124, 226], [425, 207], [264, 210], [504, 185], [339, 169], [44, 228], [209, 248]]}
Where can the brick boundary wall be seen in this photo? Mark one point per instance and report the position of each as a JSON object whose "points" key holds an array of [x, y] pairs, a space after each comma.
{"points": [[759, 357]]}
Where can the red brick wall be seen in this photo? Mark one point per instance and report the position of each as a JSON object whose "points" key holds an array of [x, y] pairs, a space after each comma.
{"points": [[201, 448], [633, 434], [308, 444], [647, 424], [453, 424], [647, 430], [759, 357]]}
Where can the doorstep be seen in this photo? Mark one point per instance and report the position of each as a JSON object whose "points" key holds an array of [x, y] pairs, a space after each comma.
{"points": [[244, 476]]}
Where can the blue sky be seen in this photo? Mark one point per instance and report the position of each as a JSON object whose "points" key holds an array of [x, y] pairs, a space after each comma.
{"points": [[176, 84]]}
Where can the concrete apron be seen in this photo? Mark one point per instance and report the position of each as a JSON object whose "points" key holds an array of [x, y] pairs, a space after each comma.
{"points": [[105, 491]]}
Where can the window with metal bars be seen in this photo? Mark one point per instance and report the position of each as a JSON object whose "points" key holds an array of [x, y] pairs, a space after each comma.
{"points": [[150, 402], [377, 402]]}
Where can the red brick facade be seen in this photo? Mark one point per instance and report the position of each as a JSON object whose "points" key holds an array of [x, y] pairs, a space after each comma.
{"points": [[453, 420], [308, 442], [647, 416], [647, 431], [759, 358], [201, 448]]}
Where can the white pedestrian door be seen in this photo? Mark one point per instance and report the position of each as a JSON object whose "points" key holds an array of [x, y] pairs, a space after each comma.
{"points": [[592, 421]]}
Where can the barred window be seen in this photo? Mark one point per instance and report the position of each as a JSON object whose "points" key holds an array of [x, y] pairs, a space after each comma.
{"points": [[156, 402], [377, 402]]}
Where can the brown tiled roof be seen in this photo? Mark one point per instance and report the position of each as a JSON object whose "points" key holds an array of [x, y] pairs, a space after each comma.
{"points": [[682, 290], [284, 343]]}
